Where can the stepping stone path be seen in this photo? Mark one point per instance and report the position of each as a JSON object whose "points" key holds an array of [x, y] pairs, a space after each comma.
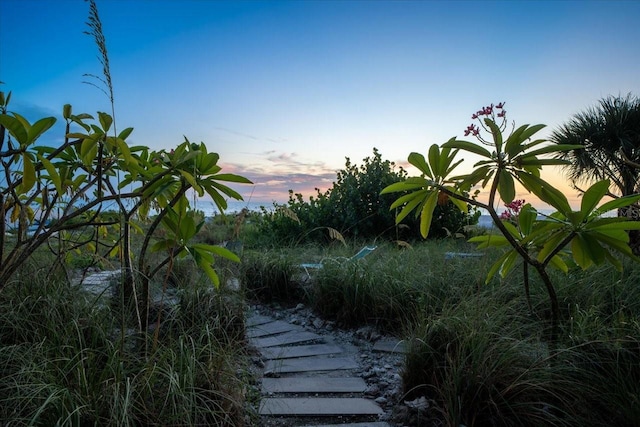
{"points": [[308, 379]]}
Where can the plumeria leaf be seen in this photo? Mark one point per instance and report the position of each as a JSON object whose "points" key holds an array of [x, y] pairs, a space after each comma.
{"points": [[526, 218], [402, 200], [427, 213], [495, 132], [460, 204], [496, 267], [434, 160], [618, 203], [506, 187], [418, 160], [412, 201], [53, 173], [529, 131], [468, 146], [411, 183], [508, 263], [592, 197], [39, 127], [489, 240], [553, 148], [559, 263], [28, 174], [579, 251]]}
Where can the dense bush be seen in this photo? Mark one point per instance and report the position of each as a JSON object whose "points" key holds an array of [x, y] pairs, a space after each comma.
{"points": [[355, 208]]}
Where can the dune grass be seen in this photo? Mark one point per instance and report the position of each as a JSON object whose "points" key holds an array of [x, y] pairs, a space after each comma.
{"points": [[478, 351], [64, 361]]}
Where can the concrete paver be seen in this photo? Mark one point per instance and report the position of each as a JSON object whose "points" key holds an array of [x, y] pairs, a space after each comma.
{"points": [[309, 364], [318, 406], [313, 385], [286, 338], [272, 328], [306, 363], [300, 351]]}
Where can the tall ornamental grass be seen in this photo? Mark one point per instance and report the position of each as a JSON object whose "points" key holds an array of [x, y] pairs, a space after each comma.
{"points": [[63, 361]]}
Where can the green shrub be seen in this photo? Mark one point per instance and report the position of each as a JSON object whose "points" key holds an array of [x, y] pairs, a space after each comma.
{"points": [[354, 207]]}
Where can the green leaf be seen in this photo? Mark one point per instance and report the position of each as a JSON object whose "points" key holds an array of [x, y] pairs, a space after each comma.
{"points": [[77, 135], [468, 146], [15, 128], [495, 132], [427, 213], [489, 240], [528, 132], [418, 160], [410, 184], [28, 173], [559, 263], [526, 218], [496, 266], [508, 263], [579, 251], [229, 177], [211, 273], [227, 191], [105, 121], [512, 229], [124, 149], [218, 250], [434, 160], [412, 201], [38, 128], [550, 244], [592, 197], [552, 148], [534, 161], [545, 191], [556, 199], [620, 245], [402, 200], [621, 224], [125, 133], [506, 187], [460, 204], [618, 203], [88, 151], [192, 182], [53, 173]]}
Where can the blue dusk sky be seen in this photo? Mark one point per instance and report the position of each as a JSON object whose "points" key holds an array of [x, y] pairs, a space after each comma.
{"points": [[284, 91]]}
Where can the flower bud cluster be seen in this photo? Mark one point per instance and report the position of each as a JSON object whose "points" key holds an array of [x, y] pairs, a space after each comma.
{"points": [[513, 209], [492, 112]]}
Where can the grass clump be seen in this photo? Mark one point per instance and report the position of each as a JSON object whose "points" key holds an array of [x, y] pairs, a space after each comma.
{"points": [[64, 361], [483, 358]]}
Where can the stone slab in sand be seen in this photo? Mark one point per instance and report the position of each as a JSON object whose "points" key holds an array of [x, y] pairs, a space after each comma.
{"points": [[313, 385], [300, 351], [321, 406], [271, 328], [285, 339], [309, 364]]}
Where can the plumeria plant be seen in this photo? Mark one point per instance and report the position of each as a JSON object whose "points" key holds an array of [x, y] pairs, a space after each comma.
{"points": [[540, 241]]}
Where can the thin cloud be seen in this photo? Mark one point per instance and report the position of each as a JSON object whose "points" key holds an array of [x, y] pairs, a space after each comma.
{"points": [[280, 173]]}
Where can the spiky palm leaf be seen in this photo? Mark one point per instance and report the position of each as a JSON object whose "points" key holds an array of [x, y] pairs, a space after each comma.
{"points": [[610, 134]]}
